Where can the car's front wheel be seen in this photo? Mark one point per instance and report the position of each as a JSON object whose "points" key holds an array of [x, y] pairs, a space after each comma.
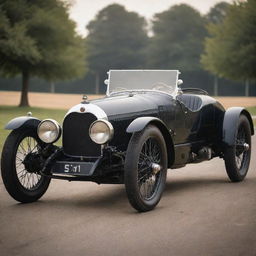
{"points": [[145, 168], [19, 166]]}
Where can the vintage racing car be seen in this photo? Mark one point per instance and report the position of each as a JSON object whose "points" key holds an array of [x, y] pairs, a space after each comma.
{"points": [[145, 125]]}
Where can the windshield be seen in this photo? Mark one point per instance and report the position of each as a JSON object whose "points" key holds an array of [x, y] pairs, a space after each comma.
{"points": [[137, 80]]}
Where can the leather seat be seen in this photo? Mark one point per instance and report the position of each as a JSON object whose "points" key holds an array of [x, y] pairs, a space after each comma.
{"points": [[191, 101]]}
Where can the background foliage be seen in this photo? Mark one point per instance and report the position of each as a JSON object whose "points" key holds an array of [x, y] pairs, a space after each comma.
{"points": [[37, 38], [230, 49], [215, 51], [116, 40], [177, 40]]}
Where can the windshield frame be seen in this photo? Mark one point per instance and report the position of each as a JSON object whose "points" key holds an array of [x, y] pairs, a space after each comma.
{"points": [[127, 90]]}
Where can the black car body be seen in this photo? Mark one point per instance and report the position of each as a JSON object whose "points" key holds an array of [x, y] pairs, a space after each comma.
{"points": [[194, 126]]}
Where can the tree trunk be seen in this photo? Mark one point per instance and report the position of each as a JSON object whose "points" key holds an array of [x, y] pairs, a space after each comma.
{"points": [[24, 91], [97, 83], [52, 87], [215, 88], [247, 88]]}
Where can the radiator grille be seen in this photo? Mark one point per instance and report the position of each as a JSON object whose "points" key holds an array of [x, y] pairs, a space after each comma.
{"points": [[76, 139]]}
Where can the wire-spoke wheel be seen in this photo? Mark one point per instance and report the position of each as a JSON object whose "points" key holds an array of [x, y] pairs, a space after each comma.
{"points": [[29, 180], [149, 168], [145, 168], [20, 166], [237, 157]]}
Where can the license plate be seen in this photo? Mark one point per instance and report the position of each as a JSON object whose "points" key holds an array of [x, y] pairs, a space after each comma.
{"points": [[73, 168]]}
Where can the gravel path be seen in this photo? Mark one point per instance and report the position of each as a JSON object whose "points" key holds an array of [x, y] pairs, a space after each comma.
{"points": [[65, 101]]}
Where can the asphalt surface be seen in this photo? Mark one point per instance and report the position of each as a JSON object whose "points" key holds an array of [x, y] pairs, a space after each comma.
{"points": [[201, 213]]}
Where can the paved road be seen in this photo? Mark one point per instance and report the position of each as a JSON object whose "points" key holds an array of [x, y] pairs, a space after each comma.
{"points": [[201, 213]]}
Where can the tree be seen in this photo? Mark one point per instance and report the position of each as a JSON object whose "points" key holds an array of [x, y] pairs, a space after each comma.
{"points": [[37, 38], [218, 12], [216, 15], [116, 39], [230, 50], [177, 39]]}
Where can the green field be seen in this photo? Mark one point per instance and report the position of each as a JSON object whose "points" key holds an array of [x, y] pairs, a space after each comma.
{"points": [[8, 113], [252, 110]]}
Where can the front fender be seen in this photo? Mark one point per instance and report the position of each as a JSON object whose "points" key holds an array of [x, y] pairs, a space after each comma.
{"points": [[141, 122], [22, 121], [230, 122]]}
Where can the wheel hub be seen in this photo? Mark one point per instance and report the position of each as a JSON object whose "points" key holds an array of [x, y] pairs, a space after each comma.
{"points": [[246, 146], [156, 168], [32, 162], [242, 147]]}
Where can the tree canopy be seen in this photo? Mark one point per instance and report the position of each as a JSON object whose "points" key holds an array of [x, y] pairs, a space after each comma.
{"points": [[218, 12], [37, 38], [177, 39], [116, 39], [230, 49]]}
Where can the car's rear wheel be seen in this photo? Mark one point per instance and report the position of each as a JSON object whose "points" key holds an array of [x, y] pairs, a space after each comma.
{"points": [[237, 157], [19, 166], [145, 168]]}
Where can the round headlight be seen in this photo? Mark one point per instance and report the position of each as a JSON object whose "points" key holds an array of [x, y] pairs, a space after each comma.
{"points": [[49, 131], [101, 131]]}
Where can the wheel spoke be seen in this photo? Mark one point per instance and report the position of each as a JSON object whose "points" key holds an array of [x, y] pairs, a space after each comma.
{"points": [[147, 180], [21, 171], [241, 152], [21, 146], [27, 179]]}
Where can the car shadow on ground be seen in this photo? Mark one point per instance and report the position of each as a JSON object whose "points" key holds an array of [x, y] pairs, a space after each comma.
{"points": [[177, 186], [97, 199], [115, 198]]}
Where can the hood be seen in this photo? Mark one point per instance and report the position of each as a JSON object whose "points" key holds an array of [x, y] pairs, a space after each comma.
{"points": [[137, 103]]}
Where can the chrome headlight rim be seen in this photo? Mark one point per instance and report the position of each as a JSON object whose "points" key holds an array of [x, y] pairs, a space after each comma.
{"points": [[57, 126], [110, 129]]}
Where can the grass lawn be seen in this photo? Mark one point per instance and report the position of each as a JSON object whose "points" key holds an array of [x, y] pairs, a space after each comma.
{"points": [[7, 113], [252, 110]]}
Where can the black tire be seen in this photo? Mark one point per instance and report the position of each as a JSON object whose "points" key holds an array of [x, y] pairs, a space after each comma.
{"points": [[237, 157], [23, 186], [139, 168]]}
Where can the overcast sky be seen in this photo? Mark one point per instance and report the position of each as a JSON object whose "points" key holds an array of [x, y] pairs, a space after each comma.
{"points": [[85, 10]]}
